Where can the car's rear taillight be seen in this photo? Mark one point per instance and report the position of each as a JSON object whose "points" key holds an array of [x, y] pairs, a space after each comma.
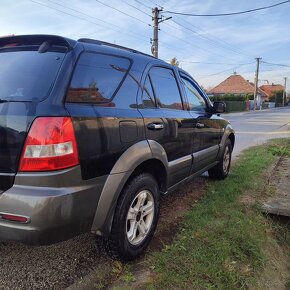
{"points": [[50, 145]]}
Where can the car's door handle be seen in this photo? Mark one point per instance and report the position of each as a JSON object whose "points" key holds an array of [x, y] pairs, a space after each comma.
{"points": [[155, 126], [199, 125]]}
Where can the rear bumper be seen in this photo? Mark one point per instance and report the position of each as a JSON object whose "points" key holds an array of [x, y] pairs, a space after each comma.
{"points": [[59, 204]]}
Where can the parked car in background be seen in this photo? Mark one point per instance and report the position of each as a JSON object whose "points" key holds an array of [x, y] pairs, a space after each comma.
{"points": [[91, 134]]}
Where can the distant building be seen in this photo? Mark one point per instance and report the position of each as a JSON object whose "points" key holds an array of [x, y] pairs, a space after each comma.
{"points": [[237, 85], [270, 90]]}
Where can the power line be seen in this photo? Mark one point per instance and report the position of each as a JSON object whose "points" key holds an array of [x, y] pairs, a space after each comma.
{"points": [[280, 69], [207, 38], [230, 13], [226, 70], [220, 72], [267, 70], [105, 4], [137, 1], [190, 43], [118, 29], [93, 17], [213, 38], [275, 64], [187, 42], [219, 42], [215, 63], [154, 3], [136, 8]]}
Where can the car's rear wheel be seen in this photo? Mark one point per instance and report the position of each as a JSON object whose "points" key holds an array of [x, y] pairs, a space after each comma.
{"points": [[221, 170], [135, 218]]}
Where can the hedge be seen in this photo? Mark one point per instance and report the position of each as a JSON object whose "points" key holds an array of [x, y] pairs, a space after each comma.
{"points": [[234, 106], [232, 97]]}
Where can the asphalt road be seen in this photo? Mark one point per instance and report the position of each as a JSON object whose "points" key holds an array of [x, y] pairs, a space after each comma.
{"points": [[256, 127]]}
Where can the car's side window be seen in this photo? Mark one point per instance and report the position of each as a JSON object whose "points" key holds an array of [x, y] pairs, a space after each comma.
{"points": [[97, 78], [166, 89], [148, 98], [195, 101]]}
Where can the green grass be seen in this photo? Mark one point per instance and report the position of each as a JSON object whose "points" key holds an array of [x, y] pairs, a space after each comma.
{"points": [[220, 243]]}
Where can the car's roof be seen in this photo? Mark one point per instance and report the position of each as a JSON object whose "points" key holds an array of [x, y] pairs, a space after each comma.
{"points": [[88, 44], [106, 47]]}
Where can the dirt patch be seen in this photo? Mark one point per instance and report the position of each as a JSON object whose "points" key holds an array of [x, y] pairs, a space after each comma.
{"points": [[279, 201], [268, 189], [173, 206]]}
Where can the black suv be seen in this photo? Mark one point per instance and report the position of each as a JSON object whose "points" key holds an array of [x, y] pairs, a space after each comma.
{"points": [[91, 134]]}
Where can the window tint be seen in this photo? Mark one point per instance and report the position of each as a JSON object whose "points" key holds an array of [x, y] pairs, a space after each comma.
{"points": [[97, 78], [27, 75], [165, 88], [195, 100], [148, 95]]}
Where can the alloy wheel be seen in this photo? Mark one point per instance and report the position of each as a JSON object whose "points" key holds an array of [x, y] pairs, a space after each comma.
{"points": [[140, 217]]}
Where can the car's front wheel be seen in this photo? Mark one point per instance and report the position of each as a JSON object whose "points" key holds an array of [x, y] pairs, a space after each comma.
{"points": [[135, 218]]}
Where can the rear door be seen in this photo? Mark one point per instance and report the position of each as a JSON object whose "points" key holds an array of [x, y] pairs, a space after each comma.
{"points": [[166, 120], [207, 130], [102, 103]]}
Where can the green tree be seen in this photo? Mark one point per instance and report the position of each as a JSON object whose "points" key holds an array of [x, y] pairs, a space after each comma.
{"points": [[174, 61], [277, 97]]}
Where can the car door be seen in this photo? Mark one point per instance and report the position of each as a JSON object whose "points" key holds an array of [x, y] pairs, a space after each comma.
{"points": [[205, 145], [166, 121]]}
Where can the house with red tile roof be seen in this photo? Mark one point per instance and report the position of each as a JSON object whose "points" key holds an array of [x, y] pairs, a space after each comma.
{"points": [[237, 85], [270, 90]]}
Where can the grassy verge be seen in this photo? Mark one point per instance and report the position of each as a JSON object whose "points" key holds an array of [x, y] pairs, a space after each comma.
{"points": [[220, 243]]}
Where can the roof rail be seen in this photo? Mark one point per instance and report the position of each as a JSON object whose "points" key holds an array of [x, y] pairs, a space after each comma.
{"points": [[99, 42]]}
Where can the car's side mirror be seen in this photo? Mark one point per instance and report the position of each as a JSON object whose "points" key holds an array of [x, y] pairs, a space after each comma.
{"points": [[219, 107]]}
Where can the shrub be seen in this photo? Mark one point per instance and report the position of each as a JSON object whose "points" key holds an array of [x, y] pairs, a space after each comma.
{"points": [[229, 97]]}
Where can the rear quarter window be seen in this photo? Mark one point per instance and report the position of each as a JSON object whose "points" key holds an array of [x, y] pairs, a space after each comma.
{"points": [[97, 78]]}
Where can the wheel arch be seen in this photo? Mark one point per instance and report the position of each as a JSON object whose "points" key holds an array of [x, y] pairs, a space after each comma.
{"points": [[232, 139], [229, 133], [144, 156]]}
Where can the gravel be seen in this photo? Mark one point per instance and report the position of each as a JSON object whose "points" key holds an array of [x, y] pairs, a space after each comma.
{"points": [[48, 267]]}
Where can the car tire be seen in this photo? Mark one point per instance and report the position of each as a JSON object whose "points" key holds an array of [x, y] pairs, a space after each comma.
{"points": [[135, 218], [221, 170]]}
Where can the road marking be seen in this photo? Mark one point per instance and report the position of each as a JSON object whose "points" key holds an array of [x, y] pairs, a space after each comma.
{"points": [[265, 133]]}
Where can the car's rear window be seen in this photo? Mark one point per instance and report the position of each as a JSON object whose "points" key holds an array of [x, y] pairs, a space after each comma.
{"points": [[26, 74]]}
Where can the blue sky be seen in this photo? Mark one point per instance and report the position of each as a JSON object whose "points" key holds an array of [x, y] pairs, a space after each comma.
{"points": [[210, 48]]}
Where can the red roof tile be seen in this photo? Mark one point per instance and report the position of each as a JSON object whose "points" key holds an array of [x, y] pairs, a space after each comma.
{"points": [[235, 84], [271, 89]]}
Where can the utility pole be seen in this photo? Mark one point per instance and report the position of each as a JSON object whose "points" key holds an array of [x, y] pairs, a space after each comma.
{"points": [[155, 18], [284, 93], [256, 82], [156, 21]]}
